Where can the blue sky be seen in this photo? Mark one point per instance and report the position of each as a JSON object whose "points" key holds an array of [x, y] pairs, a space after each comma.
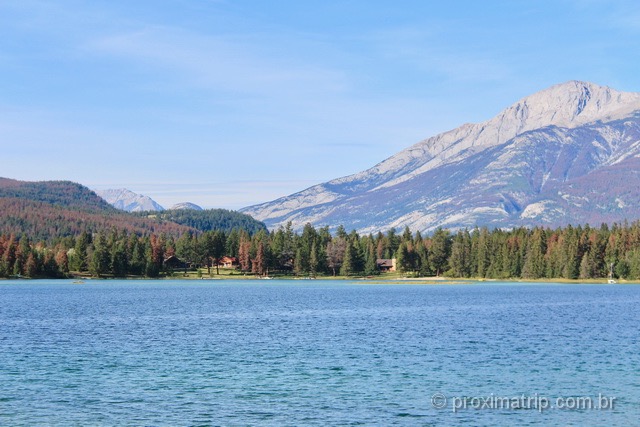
{"points": [[232, 103]]}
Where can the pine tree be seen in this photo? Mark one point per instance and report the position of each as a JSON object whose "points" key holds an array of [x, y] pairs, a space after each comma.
{"points": [[258, 265], [571, 253], [440, 250], [298, 267], [232, 243], [9, 256], [417, 241], [407, 236], [403, 258], [31, 267], [205, 248], [586, 267], [79, 260], [393, 243], [306, 242], [50, 267], [185, 248], [335, 254], [22, 254], [314, 260], [100, 260], [348, 268], [633, 260], [216, 247], [157, 252], [460, 261], [358, 256], [151, 269], [534, 265], [371, 266], [138, 260], [484, 253], [341, 233], [380, 246], [62, 260], [119, 261], [244, 254], [423, 259]]}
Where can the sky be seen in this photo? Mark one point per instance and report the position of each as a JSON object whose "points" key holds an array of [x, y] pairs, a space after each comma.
{"points": [[232, 103]]}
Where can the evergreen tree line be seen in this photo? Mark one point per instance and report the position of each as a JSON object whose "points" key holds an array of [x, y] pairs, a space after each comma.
{"points": [[538, 253], [209, 219]]}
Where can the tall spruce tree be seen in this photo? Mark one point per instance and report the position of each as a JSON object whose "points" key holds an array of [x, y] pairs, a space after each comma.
{"points": [[101, 257], [404, 262], [460, 260], [371, 266], [440, 250], [348, 267], [534, 264]]}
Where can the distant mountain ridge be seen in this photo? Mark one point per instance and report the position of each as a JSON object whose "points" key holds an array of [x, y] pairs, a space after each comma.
{"points": [[127, 200], [186, 205], [567, 154]]}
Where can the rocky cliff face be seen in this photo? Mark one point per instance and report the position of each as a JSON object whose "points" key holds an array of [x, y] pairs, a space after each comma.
{"points": [[568, 154]]}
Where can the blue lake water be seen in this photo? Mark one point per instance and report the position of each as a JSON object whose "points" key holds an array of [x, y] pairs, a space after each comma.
{"points": [[315, 353]]}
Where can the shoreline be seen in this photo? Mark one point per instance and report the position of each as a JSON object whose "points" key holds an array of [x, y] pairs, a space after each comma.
{"points": [[435, 280]]}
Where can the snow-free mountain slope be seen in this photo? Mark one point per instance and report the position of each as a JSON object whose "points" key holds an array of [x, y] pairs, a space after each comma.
{"points": [[521, 167], [129, 201]]}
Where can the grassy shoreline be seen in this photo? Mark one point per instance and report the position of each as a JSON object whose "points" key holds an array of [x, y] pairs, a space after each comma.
{"points": [[385, 278]]}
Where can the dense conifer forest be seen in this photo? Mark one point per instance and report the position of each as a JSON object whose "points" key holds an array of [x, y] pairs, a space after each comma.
{"points": [[47, 222], [581, 252], [209, 219], [65, 194]]}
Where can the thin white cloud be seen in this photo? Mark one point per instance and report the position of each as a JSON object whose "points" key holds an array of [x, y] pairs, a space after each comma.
{"points": [[219, 63]]}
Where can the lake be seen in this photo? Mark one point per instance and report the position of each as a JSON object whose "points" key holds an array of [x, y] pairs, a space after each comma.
{"points": [[318, 353]]}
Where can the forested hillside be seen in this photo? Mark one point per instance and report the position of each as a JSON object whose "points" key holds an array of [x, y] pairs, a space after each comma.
{"points": [[60, 193], [45, 222], [49, 210], [210, 219]]}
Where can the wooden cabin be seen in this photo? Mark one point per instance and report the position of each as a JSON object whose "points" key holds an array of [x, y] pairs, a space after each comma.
{"points": [[386, 265]]}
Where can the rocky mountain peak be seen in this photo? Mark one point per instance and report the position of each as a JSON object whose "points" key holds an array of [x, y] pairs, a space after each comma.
{"points": [[127, 200], [540, 160], [566, 105], [570, 104]]}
